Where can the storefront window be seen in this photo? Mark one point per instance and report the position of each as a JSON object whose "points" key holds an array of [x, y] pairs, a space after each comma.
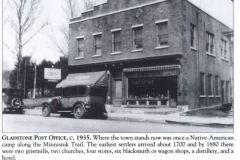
{"points": [[152, 88]]}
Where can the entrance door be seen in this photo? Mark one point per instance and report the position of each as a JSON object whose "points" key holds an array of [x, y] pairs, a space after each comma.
{"points": [[117, 93]]}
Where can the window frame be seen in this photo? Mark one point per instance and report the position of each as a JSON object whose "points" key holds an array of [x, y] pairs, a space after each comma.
{"points": [[202, 80], [224, 53], [210, 43], [157, 32], [113, 31], [134, 27], [193, 34], [217, 86], [80, 38], [210, 85], [95, 35]]}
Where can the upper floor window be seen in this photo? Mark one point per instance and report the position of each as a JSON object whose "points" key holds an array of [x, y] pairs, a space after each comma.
{"points": [[80, 52], [97, 44], [137, 37], [209, 42], [193, 36], [162, 33], [223, 49], [116, 40]]}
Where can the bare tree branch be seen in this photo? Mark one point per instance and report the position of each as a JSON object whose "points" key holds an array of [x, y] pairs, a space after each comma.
{"points": [[23, 17], [9, 48], [88, 4], [34, 34]]}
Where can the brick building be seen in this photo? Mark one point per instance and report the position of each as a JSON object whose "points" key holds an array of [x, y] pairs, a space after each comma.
{"points": [[157, 52]]}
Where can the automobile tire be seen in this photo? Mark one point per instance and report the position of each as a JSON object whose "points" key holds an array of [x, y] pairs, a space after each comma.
{"points": [[16, 103], [78, 111], [46, 110]]}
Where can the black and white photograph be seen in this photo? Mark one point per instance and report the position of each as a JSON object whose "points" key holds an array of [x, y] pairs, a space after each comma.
{"points": [[118, 66]]}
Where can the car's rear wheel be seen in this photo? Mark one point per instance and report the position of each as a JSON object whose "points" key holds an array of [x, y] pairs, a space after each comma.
{"points": [[46, 110], [78, 111]]}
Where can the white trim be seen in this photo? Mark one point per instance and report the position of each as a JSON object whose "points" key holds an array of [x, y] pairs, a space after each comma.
{"points": [[97, 33], [89, 10], [161, 21], [210, 54], [80, 37], [194, 48], [77, 58], [224, 59], [161, 47], [116, 53], [122, 10], [116, 29], [95, 56], [137, 25], [137, 50], [211, 96], [203, 96]]}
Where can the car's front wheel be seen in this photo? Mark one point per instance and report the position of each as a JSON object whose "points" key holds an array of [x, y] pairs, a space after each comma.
{"points": [[78, 111], [46, 110]]}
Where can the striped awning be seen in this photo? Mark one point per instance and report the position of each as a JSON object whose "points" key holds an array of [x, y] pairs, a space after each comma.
{"points": [[154, 68]]}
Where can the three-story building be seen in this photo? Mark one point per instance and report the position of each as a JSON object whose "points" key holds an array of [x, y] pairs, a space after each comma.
{"points": [[157, 52]]}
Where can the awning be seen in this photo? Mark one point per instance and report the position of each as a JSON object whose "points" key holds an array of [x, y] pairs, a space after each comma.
{"points": [[154, 68], [89, 78]]}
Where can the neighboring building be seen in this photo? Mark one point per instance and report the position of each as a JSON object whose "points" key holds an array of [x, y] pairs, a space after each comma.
{"points": [[157, 52]]}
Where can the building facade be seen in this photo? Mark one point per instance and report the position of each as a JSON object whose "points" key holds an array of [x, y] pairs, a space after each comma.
{"points": [[157, 53]]}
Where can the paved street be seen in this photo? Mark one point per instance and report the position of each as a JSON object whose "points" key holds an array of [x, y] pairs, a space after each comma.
{"points": [[55, 123]]}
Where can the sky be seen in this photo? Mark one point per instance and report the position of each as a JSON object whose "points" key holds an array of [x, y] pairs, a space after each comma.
{"points": [[41, 47]]}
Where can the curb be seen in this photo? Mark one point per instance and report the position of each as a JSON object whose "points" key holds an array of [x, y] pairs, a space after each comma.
{"points": [[131, 119]]}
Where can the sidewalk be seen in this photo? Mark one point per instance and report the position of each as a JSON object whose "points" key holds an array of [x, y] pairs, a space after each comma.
{"points": [[158, 115], [168, 115]]}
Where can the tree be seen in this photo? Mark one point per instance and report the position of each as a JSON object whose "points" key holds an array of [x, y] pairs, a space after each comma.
{"points": [[88, 4], [22, 21], [26, 75], [41, 82], [70, 9], [62, 64]]}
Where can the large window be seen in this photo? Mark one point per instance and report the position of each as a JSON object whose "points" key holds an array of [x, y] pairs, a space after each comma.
{"points": [[202, 84], [137, 37], [116, 41], [80, 47], [209, 42], [210, 85], [193, 36], [97, 44], [224, 49], [162, 33]]}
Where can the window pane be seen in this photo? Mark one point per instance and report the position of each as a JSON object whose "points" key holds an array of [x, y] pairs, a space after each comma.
{"points": [[98, 44], [80, 47], [202, 84], [116, 41], [138, 40], [210, 88], [216, 86], [162, 33]]}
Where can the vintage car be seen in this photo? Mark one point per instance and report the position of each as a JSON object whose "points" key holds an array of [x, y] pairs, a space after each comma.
{"points": [[83, 94], [12, 100]]}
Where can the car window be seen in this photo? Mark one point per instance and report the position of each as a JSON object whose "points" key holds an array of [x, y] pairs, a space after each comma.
{"points": [[74, 91], [81, 90]]}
